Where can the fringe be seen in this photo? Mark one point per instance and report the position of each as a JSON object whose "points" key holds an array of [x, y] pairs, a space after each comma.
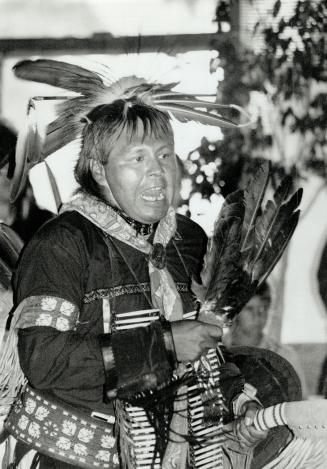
{"points": [[301, 454], [12, 378], [126, 458]]}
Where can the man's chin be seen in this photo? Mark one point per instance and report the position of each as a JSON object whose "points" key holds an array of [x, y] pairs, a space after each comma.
{"points": [[153, 215]]}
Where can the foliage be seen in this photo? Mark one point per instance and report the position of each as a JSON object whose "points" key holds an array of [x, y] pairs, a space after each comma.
{"points": [[290, 72]]}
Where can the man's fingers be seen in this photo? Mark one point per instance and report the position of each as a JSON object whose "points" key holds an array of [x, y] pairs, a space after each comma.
{"points": [[250, 412], [214, 331], [249, 435]]}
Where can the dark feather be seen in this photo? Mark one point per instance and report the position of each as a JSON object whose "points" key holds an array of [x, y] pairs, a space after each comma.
{"points": [[59, 133], [54, 187], [253, 196], [246, 246], [275, 215], [221, 247], [60, 74], [278, 234], [280, 243]]}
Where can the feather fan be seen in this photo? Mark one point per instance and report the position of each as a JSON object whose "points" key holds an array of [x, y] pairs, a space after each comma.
{"points": [[246, 244], [92, 90]]}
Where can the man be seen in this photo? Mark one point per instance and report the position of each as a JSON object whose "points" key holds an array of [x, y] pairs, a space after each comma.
{"points": [[248, 330], [103, 391]]}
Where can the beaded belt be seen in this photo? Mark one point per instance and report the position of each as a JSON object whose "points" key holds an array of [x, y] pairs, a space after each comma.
{"points": [[61, 432]]}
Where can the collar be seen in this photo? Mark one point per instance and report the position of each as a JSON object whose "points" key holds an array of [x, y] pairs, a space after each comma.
{"points": [[111, 222]]}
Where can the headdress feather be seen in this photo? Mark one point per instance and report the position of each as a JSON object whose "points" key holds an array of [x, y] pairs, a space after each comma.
{"points": [[94, 89]]}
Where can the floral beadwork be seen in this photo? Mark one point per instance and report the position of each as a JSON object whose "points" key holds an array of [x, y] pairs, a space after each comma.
{"points": [[62, 324], [48, 303], [85, 435], [51, 428], [48, 311], [48, 426], [41, 413], [67, 308], [30, 405], [63, 443], [23, 422], [108, 441], [80, 449], [34, 430], [44, 320], [103, 456], [68, 427]]}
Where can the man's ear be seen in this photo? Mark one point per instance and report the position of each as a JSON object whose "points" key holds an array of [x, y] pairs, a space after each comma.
{"points": [[98, 172]]}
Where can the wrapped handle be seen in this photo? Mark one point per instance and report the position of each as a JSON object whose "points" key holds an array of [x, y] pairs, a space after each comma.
{"points": [[306, 419]]}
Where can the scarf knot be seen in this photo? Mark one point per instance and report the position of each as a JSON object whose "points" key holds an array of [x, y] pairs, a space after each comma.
{"points": [[158, 256]]}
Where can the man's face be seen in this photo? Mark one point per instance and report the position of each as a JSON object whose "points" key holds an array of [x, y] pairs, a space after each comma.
{"points": [[253, 317], [141, 175]]}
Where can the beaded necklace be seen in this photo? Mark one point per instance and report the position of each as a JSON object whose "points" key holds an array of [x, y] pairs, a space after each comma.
{"points": [[143, 229]]}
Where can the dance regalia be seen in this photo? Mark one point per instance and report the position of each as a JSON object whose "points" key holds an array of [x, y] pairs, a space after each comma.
{"points": [[87, 275], [84, 283]]}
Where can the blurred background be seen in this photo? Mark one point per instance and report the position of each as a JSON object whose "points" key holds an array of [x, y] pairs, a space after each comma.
{"points": [[268, 56]]}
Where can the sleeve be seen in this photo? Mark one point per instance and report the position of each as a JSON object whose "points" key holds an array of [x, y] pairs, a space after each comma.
{"points": [[49, 286], [49, 283], [53, 264]]}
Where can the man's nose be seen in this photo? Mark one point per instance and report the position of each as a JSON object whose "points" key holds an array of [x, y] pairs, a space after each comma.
{"points": [[154, 165]]}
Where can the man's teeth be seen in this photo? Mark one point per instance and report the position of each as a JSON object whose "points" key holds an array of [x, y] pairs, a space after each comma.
{"points": [[153, 195], [153, 198]]}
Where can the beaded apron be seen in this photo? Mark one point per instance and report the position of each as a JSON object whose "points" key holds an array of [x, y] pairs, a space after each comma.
{"points": [[207, 452]]}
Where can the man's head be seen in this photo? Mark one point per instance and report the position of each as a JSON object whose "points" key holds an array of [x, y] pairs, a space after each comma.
{"points": [[128, 159], [249, 324]]}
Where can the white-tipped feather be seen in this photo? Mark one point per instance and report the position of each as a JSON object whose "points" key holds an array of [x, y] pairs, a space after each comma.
{"points": [[93, 90], [184, 113]]}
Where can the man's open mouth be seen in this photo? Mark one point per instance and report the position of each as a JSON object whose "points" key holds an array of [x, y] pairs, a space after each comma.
{"points": [[153, 194]]}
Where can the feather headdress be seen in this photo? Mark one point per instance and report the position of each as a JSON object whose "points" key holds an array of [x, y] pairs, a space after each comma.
{"points": [[91, 91], [248, 241]]}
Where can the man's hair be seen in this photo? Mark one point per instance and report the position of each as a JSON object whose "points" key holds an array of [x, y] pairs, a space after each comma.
{"points": [[103, 126]]}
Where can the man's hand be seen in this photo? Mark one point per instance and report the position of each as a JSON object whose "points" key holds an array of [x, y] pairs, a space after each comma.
{"points": [[193, 339], [243, 427]]}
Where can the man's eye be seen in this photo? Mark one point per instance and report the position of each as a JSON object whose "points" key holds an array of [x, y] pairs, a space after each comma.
{"points": [[139, 158], [165, 156]]}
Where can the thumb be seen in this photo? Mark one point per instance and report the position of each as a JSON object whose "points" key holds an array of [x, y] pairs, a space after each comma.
{"points": [[250, 415], [248, 421], [214, 331]]}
